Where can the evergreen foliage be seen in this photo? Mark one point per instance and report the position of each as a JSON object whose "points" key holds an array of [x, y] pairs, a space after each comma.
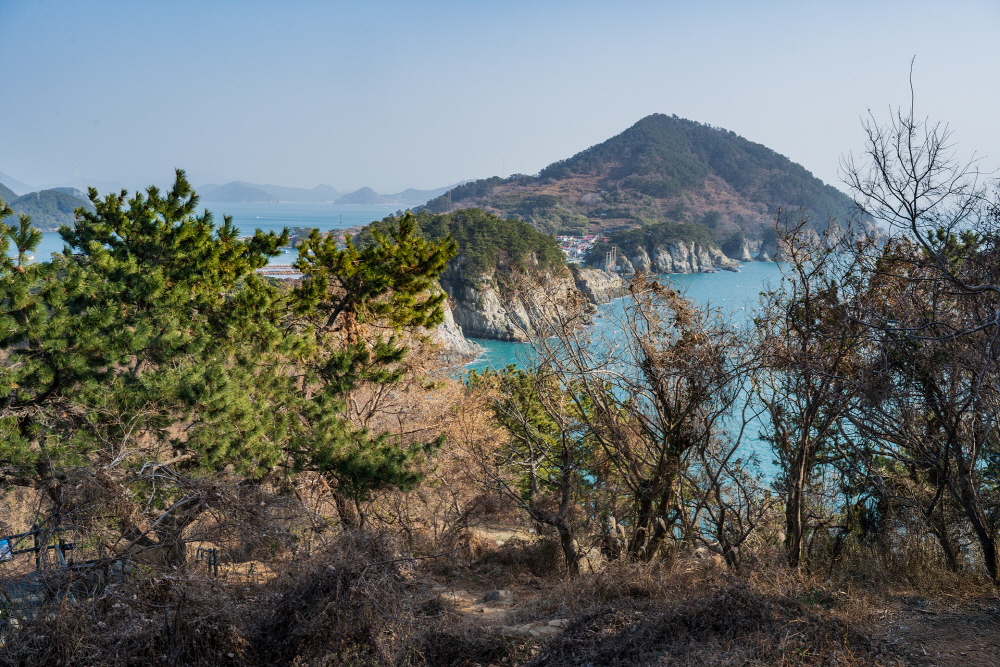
{"points": [[484, 241], [6, 194], [154, 328], [487, 242]]}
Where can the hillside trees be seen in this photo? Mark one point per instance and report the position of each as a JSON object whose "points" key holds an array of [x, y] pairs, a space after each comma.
{"points": [[150, 357], [930, 302], [652, 399], [547, 466], [139, 343]]}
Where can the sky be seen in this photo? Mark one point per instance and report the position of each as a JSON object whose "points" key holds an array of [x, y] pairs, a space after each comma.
{"points": [[426, 93]]}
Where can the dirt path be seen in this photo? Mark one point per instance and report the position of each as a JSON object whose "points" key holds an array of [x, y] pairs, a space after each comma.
{"points": [[945, 631]]}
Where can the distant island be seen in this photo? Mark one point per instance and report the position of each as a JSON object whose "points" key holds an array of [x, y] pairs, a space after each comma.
{"points": [[243, 192], [663, 169], [49, 209]]}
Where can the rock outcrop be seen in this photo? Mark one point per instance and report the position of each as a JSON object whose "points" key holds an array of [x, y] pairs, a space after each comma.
{"points": [[598, 286], [675, 257], [454, 347], [515, 307], [770, 252], [743, 254]]}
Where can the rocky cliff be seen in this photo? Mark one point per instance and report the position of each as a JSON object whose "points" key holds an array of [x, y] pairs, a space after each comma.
{"points": [[515, 307], [454, 347], [675, 257]]}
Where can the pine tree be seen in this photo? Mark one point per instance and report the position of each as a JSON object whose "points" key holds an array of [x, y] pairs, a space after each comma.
{"points": [[387, 285]]}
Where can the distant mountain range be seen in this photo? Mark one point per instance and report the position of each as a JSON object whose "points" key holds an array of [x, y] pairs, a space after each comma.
{"points": [[244, 192], [663, 168], [15, 185], [241, 191], [408, 197]]}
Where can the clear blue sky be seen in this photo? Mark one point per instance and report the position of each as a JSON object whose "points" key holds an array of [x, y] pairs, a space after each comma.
{"points": [[426, 93]]}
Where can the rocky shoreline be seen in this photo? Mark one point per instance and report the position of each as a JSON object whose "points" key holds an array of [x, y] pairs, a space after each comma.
{"points": [[516, 307]]}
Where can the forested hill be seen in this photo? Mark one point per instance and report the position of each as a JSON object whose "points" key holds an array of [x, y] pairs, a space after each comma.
{"points": [[662, 168], [49, 209], [6, 194], [485, 241]]}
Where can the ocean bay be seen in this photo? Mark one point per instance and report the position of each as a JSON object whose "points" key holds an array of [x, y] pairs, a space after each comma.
{"points": [[268, 217], [734, 295]]}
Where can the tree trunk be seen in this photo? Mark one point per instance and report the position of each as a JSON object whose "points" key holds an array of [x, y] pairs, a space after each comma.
{"points": [[794, 522], [568, 545], [967, 497], [346, 511]]}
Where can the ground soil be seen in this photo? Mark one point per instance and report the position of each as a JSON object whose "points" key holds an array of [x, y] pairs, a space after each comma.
{"points": [[944, 629]]}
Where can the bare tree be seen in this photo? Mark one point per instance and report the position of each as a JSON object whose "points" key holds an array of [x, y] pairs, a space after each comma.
{"points": [[651, 394], [808, 346], [930, 299]]}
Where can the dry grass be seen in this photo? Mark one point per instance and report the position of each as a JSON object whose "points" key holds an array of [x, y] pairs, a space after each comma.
{"points": [[338, 608], [362, 601], [633, 614]]}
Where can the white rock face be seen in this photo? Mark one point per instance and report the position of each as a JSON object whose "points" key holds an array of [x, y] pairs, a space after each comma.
{"points": [[743, 254], [455, 347], [598, 286], [720, 260], [640, 261], [771, 252], [501, 308], [485, 310], [676, 257]]}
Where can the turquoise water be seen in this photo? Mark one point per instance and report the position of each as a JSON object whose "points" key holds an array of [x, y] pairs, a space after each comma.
{"points": [[734, 294], [268, 217]]}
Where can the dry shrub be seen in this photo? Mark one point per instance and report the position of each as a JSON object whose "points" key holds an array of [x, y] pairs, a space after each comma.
{"points": [[623, 579], [342, 608], [457, 494], [137, 621], [721, 623], [541, 558], [448, 649], [906, 560]]}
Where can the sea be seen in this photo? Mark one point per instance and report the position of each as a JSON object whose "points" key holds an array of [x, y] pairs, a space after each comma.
{"points": [[268, 217], [734, 294]]}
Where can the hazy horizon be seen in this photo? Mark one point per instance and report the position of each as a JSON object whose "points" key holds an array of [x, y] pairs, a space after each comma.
{"points": [[397, 95]]}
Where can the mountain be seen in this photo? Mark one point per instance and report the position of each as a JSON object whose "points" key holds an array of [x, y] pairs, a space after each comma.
{"points": [[662, 169], [236, 193], [73, 192], [102, 187], [17, 186], [320, 193], [241, 191], [408, 197], [6, 194], [49, 209], [363, 196]]}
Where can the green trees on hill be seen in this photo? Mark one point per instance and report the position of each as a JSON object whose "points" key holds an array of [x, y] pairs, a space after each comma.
{"points": [[48, 208], [484, 241], [644, 173], [154, 345]]}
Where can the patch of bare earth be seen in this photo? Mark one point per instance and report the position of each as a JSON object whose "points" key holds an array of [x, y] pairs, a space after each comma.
{"points": [[944, 630]]}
